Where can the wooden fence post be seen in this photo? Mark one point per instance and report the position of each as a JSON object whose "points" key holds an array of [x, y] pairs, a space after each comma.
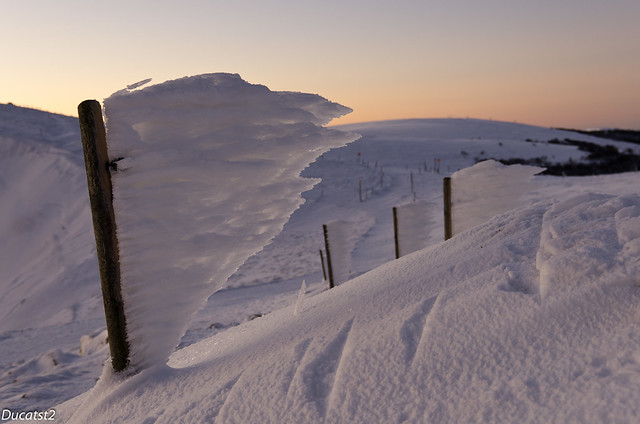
{"points": [[324, 272], [412, 182], [448, 219], [395, 231], [96, 161], [326, 248]]}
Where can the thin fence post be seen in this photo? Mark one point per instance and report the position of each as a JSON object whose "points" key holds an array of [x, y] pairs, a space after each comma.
{"points": [[448, 219], [326, 248], [96, 160], [324, 272], [411, 181], [395, 231], [360, 189]]}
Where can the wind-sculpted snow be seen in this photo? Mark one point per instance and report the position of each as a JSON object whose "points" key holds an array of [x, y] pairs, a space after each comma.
{"points": [[208, 172], [591, 238]]}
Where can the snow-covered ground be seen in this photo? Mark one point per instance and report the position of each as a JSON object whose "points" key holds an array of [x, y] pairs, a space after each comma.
{"points": [[529, 317]]}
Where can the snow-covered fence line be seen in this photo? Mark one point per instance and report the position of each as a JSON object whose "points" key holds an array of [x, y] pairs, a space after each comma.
{"points": [[367, 185], [208, 172], [410, 227], [483, 191]]}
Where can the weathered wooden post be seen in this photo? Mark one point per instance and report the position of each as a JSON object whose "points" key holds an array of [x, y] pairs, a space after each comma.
{"points": [[412, 182], [326, 248], [395, 231], [448, 219], [324, 272], [96, 161]]}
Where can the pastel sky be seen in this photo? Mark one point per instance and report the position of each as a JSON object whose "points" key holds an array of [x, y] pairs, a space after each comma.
{"points": [[568, 63]]}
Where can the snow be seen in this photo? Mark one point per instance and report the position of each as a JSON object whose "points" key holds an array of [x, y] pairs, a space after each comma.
{"points": [[530, 316], [300, 299], [601, 246], [207, 174]]}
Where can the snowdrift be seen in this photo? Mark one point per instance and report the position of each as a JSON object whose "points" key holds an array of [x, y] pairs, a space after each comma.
{"points": [[531, 317]]}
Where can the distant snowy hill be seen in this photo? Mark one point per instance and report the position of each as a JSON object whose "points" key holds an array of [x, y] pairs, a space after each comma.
{"points": [[529, 317]]}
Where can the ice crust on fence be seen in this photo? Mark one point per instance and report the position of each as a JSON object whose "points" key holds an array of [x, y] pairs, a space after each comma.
{"points": [[208, 172], [487, 189], [342, 241], [413, 228]]}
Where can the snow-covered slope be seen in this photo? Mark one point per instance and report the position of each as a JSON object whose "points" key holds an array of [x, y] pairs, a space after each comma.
{"points": [[529, 317], [47, 254]]}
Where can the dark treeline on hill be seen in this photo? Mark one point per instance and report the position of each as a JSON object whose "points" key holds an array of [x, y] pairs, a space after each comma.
{"points": [[599, 159], [630, 136]]}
